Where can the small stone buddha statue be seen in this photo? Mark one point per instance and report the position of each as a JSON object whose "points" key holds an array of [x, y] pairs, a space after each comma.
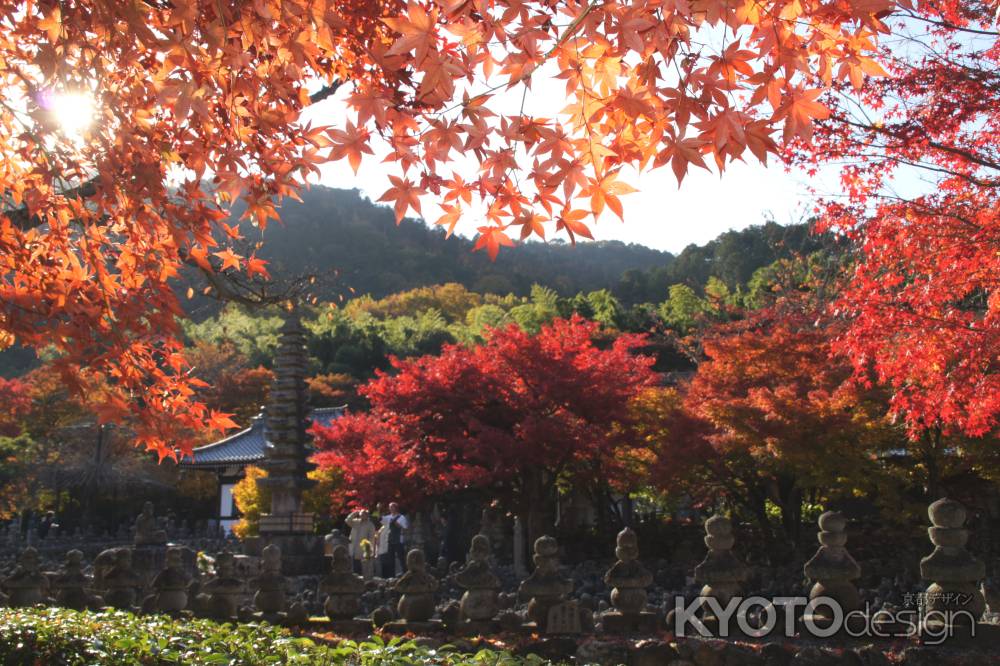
{"points": [[121, 581], [171, 584], [221, 593], [479, 603], [417, 587], [342, 587], [26, 584], [71, 583], [270, 584], [147, 532]]}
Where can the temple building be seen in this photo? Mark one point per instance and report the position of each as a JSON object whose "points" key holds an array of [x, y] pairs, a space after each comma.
{"points": [[228, 457]]}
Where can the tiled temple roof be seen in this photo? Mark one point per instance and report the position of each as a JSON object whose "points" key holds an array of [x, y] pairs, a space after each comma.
{"points": [[247, 446]]}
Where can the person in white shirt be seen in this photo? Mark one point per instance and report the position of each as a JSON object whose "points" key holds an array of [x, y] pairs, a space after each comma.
{"points": [[394, 523], [362, 529]]}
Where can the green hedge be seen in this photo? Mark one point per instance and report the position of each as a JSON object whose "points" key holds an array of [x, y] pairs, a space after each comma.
{"points": [[60, 637]]}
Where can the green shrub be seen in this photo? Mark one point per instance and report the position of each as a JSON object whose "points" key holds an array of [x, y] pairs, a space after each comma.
{"points": [[61, 637]]}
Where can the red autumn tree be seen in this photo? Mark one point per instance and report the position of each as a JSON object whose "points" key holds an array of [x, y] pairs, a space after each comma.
{"points": [[15, 399], [233, 385], [778, 414], [116, 113], [514, 415], [921, 198]]}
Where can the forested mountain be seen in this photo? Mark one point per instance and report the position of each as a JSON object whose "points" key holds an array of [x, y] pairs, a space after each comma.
{"points": [[732, 258], [342, 230]]}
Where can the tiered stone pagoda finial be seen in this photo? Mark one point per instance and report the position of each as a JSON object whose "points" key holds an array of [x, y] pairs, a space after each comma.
{"points": [[628, 580], [953, 572], [545, 589], [288, 441], [721, 573], [832, 568]]}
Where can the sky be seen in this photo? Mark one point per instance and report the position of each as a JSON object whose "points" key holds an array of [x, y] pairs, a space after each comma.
{"points": [[660, 215]]}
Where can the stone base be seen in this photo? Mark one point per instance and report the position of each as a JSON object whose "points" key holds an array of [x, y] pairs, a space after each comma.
{"points": [[270, 618], [532, 628], [291, 523], [982, 635], [854, 626], [618, 623], [350, 627], [398, 627], [477, 628]]}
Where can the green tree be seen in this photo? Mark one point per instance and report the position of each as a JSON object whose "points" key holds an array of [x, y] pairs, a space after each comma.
{"points": [[681, 310]]}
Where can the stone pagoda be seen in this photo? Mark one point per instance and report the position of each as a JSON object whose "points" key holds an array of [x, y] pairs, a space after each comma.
{"points": [[286, 454], [286, 457]]}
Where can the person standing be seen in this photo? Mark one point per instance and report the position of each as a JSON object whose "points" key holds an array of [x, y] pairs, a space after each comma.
{"points": [[362, 529], [394, 523]]}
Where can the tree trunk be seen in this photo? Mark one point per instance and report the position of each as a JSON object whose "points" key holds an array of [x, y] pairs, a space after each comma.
{"points": [[535, 520]]}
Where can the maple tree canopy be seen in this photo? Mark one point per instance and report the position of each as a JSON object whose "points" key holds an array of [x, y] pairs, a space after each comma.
{"points": [[195, 104], [494, 416], [920, 193]]}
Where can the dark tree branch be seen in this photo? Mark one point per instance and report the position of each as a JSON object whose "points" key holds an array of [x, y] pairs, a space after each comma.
{"points": [[324, 92], [24, 220]]}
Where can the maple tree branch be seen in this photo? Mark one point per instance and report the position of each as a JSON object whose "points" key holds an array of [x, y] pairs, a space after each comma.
{"points": [[325, 91], [231, 288], [23, 219], [913, 16]]}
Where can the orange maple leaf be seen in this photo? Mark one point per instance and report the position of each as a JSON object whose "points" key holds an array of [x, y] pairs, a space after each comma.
{"points": [[799, 109], [229, 258], [492, 238], [450, 218], [256, 266], [351, 143], [606, 192], [405, 195], [200, 256], [572, 222], [417, 30], [221, 421]]}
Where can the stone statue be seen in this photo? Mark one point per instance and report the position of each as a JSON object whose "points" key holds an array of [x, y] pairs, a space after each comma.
{"points": [[417, 587], [26, 584], [628, 580], [171, 584], [270, 584], [951, 569], [71, 584], [342, 587], [545, 587], [720, 573], [220, 597], [332, 540], [479, 603], [103, 563], [832, 568], [147, 532], [121, 581]]}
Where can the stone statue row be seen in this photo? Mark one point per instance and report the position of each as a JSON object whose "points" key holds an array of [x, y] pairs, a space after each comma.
{"points": [[953, 574]]}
